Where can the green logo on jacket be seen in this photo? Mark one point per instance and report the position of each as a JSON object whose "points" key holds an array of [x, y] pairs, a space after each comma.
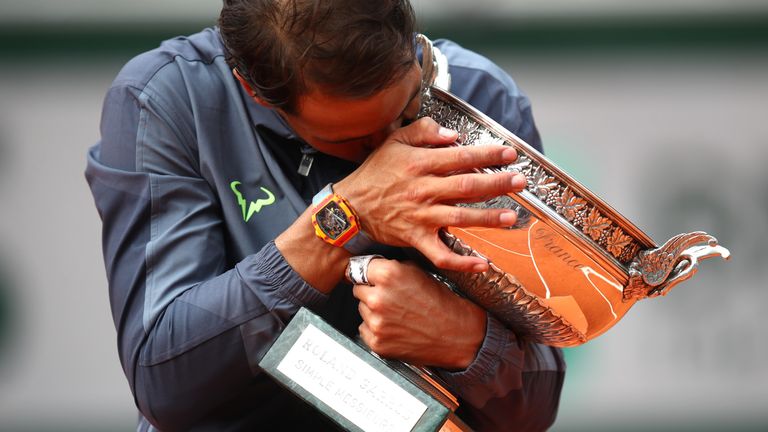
{"points": [[254, 207]]}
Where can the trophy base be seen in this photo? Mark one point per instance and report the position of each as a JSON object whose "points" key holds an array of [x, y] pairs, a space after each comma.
{"points": [[355, 388]]}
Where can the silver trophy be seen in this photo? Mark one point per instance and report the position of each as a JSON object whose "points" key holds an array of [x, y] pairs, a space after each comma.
{"points": [[566, 272], [572, 266]]}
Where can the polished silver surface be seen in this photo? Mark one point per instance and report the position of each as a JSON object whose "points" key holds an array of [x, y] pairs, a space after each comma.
{"points": [[572, 266]]}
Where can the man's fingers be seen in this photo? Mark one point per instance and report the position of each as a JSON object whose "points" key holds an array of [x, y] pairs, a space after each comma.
{"points": [[362, 308], [472, 217], [471, 187], [462, 159], [444, 258], [425, 132], [368, 338]]}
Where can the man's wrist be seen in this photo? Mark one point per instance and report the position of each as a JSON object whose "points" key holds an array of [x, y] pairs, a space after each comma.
{"points": [[477, 320], [318, 263]]}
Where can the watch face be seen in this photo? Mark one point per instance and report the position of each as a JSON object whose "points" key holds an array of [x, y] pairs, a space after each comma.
{"points": [[332, 220]]}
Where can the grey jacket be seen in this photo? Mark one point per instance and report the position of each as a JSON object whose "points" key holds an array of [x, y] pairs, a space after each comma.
{"points": [[193, 182]]}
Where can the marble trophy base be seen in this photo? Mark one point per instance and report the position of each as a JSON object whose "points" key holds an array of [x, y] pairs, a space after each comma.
{"points": [[354, 387]]}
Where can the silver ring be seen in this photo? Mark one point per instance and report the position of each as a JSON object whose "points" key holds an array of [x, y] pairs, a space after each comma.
{"points": [[357, 269]]}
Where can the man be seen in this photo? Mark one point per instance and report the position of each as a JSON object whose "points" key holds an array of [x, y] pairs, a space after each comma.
{"points": [[213, 147]]}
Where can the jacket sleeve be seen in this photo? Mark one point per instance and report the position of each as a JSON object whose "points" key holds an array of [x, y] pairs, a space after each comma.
{"points": [[191, 325], [510, 385]]}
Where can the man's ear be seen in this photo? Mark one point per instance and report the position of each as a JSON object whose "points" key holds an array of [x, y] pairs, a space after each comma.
{"points": [[249, 89]]}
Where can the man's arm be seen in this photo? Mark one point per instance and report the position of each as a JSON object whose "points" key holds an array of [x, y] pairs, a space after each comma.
{"points": [[510, 385], [191, 327], [502, 384]]}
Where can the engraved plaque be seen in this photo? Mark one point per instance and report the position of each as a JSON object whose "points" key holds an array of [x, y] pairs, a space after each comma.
{"points": [[353, 387]]}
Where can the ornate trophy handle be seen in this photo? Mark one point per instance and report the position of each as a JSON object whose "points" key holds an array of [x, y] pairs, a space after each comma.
{"points": [[434, 66], [654, 272]]}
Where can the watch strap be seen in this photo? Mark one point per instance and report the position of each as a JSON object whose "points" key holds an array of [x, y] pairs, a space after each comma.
{"points": [[359, 243], [322, 195]]}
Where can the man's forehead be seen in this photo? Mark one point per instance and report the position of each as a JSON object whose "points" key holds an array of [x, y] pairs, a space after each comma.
{"points": [[326, 107], [318, 92]]}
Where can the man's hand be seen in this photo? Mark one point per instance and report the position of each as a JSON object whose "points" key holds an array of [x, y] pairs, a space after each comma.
{"points": [[406, 189], [410, 316]]}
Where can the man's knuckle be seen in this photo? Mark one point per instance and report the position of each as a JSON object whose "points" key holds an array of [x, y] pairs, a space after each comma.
{"points": [[414, 166], [376, 324], [491, 218], [408, 238], [466, 185], [365, 333], [427, 124], [374, 342], [503, 182], [386, 272], [464, 157], [441, 261], [414, 193], [396, 270], [373, 302], [457, 217]]}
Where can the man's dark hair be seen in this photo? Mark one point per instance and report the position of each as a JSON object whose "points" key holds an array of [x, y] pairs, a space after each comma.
{"points": [[348, 48]]}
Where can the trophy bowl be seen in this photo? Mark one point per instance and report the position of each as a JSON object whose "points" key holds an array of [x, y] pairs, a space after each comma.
{"points": [[572, 266]]}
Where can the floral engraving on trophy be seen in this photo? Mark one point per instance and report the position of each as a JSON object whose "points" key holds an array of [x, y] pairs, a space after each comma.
{"points": [[541, 183], [568, 204], [521, 164], [617, 242], [484, 137], [595, 224], [465, 128]]}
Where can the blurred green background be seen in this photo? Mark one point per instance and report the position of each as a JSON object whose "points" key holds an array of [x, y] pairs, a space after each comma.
{"points": [[658, 106]]}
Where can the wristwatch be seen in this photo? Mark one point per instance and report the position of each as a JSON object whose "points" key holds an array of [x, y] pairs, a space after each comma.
{"points": [[336, 222]]}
